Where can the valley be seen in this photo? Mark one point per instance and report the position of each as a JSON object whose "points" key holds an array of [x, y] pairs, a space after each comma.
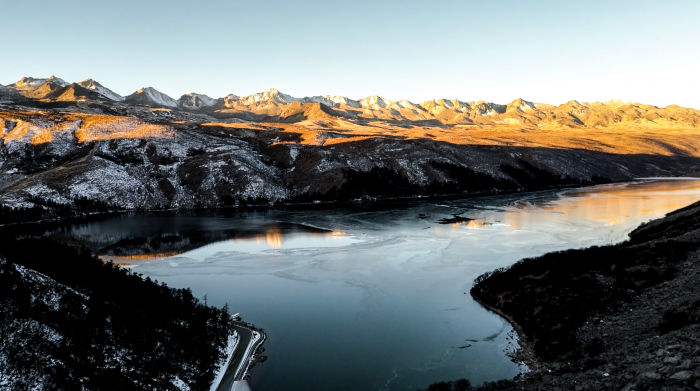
{"points": [[278, 195]]}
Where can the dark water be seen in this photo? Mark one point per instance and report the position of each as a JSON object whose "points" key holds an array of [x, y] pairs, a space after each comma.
{"points": [[374, 297]]}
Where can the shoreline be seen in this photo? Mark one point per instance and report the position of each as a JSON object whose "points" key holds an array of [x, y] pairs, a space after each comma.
{"points": [[252, 351], [642, 333], [525, 352], [322, 205]]}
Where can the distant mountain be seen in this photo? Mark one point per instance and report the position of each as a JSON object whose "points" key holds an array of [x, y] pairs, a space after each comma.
{"points": [[30, 83], [30, 89], [274, 105], [72, 93], [257, 106], [194, 101], [151, 97], [269, 96], [100, 89], [297, 112], [332, 101]]}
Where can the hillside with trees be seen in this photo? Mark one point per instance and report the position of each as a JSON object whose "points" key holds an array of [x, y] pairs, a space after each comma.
{"points": [[68, 321]]}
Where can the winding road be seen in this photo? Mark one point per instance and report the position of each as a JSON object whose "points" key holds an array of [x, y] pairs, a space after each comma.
{"points": [[234, 370]]}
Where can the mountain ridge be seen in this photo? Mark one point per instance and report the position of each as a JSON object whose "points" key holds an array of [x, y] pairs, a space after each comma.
{"points": [[100, 89], [270, 105]]}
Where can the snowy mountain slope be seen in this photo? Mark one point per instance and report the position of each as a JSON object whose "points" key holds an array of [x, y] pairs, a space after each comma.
{"points": [[271, 95], [375, 102], [100, 89], [257, 106], [150, 96]]}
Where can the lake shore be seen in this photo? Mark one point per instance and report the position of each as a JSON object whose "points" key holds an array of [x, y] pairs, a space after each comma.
{"points": [[624, 316]]}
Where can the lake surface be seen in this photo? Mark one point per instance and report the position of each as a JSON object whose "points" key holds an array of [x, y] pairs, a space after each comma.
{"points": [[374, 297]]}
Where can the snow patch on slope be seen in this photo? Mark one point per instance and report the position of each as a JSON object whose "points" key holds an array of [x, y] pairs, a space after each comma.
{"points": [[111, 183]]}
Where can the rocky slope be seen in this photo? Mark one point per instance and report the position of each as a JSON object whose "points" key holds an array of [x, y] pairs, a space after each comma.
{"points": [[623, 317], [143, 158]]}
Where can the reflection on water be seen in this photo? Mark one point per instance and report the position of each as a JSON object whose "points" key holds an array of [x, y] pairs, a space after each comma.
{"points": [[273, 238], [164, 254], [169, 235], [378, 299], [609, 205], [473, 224]]}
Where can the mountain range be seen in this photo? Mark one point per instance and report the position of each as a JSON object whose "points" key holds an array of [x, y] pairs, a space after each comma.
{"points": [[275, 106], [63, 145]]}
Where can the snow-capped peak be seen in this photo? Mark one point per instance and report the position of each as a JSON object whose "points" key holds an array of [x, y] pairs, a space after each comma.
{"points": [[31, 83], [100, 89], [231, 99], [26, 83], [58, 81], [344, 100], [318, 99], [156, 97], [195, 101], [271, 95], [375, 100]]}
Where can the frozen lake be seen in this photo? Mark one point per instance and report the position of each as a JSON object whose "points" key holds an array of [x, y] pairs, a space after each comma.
{"points": [[374, 297]]}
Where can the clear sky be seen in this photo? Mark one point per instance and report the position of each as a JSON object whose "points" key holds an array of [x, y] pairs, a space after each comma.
{"points": [[543, 51]]}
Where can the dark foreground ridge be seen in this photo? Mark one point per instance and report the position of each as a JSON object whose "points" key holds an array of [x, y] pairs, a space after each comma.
{"points": [[70, 321], [619, 317]]}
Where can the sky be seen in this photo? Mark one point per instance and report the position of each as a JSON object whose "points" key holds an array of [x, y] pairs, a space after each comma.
{"points": [[542, 51]]}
